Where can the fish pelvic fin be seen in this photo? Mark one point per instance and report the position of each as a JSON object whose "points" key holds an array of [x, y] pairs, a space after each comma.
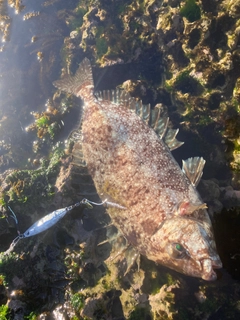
{"points": [[193, 168], [82, 80]]}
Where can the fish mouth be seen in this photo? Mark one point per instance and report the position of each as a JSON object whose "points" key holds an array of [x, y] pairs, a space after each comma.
{"points": [[208, 266]]}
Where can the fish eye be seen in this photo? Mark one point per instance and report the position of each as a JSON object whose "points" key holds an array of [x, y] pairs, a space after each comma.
{"points": [[179, 247], [177, 251]]}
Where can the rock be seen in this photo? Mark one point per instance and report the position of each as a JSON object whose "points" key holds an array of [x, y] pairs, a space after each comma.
{"points": [[231, 197], [209, 190]]}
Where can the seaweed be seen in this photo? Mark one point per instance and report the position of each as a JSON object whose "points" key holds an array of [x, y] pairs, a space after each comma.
{"points": [[4, 312], [188, 84], [101, 47], [140, 313], [191, 11], [77, 21], [77, 301]]}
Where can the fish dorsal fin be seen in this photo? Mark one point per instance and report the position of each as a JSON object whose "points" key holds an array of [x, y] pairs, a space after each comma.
{"points": [[193, 168], [152, 118], [123, 98], [119, 97], [170, 139], [83, 77], [160, 125]]}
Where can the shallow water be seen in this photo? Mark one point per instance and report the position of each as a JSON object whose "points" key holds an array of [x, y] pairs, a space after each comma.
{"points": [[26, 82], [28, 66]]}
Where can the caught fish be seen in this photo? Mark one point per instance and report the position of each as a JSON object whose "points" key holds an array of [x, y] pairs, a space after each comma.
{"points": [[159, 210]]}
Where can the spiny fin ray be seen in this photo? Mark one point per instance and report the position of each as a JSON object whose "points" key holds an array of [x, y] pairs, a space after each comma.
{"points": [[72, 84], [151, 117], [193, 168]]}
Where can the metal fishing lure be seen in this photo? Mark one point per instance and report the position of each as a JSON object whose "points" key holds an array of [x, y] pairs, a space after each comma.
{"points": [[46, 222], [52, 218]]}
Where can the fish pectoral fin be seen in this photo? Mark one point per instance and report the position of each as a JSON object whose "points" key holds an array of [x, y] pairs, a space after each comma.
{"points": [[193, 168], [187, 208]]}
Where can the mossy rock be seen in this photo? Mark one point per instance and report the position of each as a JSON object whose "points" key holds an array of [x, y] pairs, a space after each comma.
{"points": [[191, 11]]}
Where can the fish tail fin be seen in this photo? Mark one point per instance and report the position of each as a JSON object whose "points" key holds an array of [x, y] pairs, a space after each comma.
{"points": [[80, 82]]}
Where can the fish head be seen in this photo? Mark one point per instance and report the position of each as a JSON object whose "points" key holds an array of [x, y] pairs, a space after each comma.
{"points": [[187, 246]]}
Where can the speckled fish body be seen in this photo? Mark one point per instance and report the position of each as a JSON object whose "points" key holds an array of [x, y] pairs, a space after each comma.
{"points": [[164, 217]]}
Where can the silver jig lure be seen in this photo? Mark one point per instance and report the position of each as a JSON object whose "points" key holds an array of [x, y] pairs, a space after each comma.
{"points": [[52, 218], [46, 222]]}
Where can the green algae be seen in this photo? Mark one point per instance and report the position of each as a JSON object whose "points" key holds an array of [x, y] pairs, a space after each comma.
{"points": [[3, 201], [9, 267], [101, 47], [53, 129], [2, 280], [186, 83], [77, 21], [42, 122], [140, 313], [77, 301], [31, 316], [191, 11], [31, 186], [5, 312]]}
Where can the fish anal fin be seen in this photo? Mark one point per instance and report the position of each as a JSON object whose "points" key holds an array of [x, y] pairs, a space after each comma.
{"points": [[193, 168]]}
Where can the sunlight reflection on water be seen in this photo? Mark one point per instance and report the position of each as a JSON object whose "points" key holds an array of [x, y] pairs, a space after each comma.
{"points": [[25, 79]]}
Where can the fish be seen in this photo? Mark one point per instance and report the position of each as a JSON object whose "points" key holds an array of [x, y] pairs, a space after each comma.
{"points": [[127, 147]]}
